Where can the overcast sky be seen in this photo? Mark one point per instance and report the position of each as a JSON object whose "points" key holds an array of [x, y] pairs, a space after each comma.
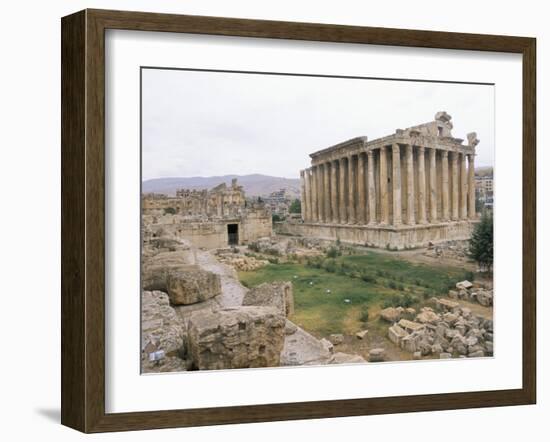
{"points": [[214, 123]]}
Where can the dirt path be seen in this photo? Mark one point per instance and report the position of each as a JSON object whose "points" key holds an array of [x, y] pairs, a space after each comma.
{"points": [[232, 290]]}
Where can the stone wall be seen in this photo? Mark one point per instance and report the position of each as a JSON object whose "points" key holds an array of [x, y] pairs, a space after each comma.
{"points": [[383, 237]]}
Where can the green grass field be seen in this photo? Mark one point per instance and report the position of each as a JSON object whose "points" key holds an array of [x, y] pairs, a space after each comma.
{"points": [[331, 294]]}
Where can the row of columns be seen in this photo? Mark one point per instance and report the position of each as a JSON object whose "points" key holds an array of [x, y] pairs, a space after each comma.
{"points": [[345, 191]]}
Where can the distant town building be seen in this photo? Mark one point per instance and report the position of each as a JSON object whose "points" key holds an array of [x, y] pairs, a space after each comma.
{"points": [[484, 190], [208, 218], [279, 202]]}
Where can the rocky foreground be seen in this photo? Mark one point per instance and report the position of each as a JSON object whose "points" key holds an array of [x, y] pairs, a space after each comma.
{"points": [[197, 316]]}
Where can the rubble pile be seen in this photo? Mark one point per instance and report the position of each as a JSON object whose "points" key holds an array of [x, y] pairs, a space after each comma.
{"points": [[448, 330]]}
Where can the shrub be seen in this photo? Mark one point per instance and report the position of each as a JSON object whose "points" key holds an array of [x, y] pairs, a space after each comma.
{"points": [[481, 243], [169, 211], [392, 285], [333, 252], [368, 278], [329, 265], [273, 260], [364, 315]]}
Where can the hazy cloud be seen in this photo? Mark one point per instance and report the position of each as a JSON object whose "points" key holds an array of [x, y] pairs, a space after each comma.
{"points": [[213, 123]]}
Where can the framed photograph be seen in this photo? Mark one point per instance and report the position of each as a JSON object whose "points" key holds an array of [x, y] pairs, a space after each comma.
{"points": [[268, 220]]}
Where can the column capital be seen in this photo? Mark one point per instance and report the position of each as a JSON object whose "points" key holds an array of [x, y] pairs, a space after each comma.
{"points": [[369, 153], [421, 149], [444, 153], [395, 148]]}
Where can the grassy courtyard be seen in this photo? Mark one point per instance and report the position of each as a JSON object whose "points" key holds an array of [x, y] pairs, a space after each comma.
{"points": [[334, 295]]}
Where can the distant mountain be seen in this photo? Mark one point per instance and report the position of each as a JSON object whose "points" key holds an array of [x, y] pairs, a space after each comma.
{"points": [[484, 171], [253, 185]]}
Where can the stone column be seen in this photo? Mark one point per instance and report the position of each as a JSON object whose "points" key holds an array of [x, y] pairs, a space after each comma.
{"points": [[454, 193], [320, 193], [371, 187], [343, 191], [326, 186], [421, 186], [334, 192], [314, 202], [352, 189], [433, 190], [445, 185], [303, 194], [384, 209], [396, 184], [361, 191], [463, 188], [410, 183], [309, 199], [471, 187]]}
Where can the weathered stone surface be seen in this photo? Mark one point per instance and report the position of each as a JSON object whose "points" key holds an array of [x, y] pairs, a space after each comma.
{"points": [[274, 294], [391, 314], [448, 305], [191, 284], [336, 338], [328, 345], [156, 269], [290, 328], [161, 327], [464, 285], [362, 334], [417, 355], [236, 338], [445, 355], [476, 354], [410, 326], [301, 348], [346, 358], [396, 334], [427, 316], [377, 355]]}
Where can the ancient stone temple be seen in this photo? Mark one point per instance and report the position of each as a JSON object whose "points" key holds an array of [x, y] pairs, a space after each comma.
{"points": [[213, 218], [404, 190]]}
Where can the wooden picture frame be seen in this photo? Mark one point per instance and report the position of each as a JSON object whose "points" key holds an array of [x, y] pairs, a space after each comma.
{"points": [[83, 219]]}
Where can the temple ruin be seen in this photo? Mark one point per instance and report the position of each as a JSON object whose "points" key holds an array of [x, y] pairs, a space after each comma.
{"points": [[404, 190], [214, 218]]}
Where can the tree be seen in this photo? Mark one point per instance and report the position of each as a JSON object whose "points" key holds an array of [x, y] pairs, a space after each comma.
{"points": [[481, 242], [295, 206]]}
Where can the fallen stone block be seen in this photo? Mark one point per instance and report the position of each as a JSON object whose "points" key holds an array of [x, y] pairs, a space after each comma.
{"points": [[362, 334], [464, 285], [346, 358], [239, 337], [391, 314], [410, 326], [191, 284], [274, 294], [396, 334], [377, 355]]}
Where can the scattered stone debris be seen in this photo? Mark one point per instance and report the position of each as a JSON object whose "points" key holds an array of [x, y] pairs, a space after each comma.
{"points": [[470, 292], [362, 334], [346, 358], [454, 249], [451, 331], [240, 262], [336, 338]]}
